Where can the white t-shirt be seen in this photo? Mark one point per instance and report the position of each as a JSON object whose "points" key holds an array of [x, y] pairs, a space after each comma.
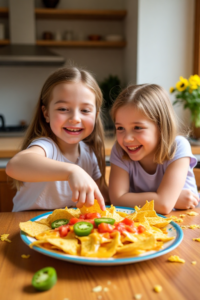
{"points": [[56, 194]]}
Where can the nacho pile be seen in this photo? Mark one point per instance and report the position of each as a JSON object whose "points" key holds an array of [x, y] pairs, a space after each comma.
{"points": [[130, 235]]}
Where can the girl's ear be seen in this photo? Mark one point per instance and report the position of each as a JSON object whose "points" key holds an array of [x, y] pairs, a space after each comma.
{"points": [[45, 114]]}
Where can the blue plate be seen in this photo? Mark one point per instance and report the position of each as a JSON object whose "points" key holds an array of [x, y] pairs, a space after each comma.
{"points": [[173, 229]]}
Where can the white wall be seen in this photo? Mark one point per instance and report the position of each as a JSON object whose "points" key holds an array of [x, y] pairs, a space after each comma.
{"points": [[131, 31], [165, 42], [20, 86]]}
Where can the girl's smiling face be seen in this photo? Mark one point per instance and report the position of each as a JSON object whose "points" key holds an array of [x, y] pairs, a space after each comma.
{"points": [[71, 112], [137, 135]]}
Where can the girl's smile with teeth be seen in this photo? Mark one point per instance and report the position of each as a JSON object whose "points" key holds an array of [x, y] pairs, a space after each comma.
{"points": [[73, 129], [133, 147]]}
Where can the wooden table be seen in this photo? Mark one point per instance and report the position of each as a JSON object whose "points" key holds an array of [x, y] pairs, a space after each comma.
{"points": [[75, 282]]}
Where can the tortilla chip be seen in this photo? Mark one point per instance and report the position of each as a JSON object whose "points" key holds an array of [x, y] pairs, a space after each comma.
{"points": [[4, 237], [176, 258], [122, 214], [75, 213], [192, 213], [109, 249], [140, 217], [129, 254], [114, 215], [146, 244], [196, 239], [69, 246], [43, 221], [93, 209], [48, 234], [159, 235], [148, 206], [132, 216], [61, 214], [129, 237], [136, 208], [33, 228], [90, 244], [158, 222]]}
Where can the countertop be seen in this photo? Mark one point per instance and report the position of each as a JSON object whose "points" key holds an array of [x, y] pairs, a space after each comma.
{"points": [[178, 281], [9, 146]]}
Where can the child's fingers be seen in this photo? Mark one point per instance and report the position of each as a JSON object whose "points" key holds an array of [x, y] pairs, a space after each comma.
{"points": [[75, 195], [196, 197], [81, 199], [100, 199], [89, 199], [195, 202]]}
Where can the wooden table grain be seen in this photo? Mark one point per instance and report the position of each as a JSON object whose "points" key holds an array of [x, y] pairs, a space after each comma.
{"points": [[75, 282]]}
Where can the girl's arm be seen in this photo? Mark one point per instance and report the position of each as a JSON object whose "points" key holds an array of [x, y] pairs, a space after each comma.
{"points": [[166, 196], [31, 165]]}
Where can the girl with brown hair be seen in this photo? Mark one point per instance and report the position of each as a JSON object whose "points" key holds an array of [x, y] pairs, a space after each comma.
{"points": [[150, 160], [62, 159]]}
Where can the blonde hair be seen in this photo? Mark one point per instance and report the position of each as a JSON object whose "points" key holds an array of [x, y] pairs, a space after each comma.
{"points": [[40, 128], [154, 102]]}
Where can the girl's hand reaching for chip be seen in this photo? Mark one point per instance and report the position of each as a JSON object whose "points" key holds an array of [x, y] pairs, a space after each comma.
{"points": [[84, 188], [187, 200]]}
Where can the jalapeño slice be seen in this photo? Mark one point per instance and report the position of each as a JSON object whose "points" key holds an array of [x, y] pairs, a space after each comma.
{"points": [[59, 222], [44, 279], [83, 228], [104, 220]]}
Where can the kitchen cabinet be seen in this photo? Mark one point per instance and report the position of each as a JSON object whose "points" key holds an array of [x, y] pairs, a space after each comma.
{"points": [[4, 12], [74, 14], [79, 14], [6, 192], [81, 44]]}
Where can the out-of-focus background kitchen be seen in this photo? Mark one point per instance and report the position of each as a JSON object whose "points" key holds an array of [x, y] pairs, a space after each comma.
{"points": [[129, 41]]}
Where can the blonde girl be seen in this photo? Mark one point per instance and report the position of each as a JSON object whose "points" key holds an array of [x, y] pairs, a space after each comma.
{"points": [[61, 162], [149, 160]]}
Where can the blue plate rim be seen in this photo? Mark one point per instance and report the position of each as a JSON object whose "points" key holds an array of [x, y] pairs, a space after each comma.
{"points": [[109, 261]]}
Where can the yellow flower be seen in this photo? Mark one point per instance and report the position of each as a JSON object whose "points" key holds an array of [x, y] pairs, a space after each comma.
{"points": [[194, 80], [172, 89], [182, 84]]}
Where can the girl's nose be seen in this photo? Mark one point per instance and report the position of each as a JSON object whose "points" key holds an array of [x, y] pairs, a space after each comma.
{"points": [[128, 138], [74, 118]]}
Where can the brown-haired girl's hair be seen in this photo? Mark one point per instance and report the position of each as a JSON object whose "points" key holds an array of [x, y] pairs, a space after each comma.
{"points": [[154, 102], [39, 128]]}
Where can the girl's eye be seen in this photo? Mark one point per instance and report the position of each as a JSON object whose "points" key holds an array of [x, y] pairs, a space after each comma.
{"points": [[63, 109], [85, 111], [138, 127], [120, 128]]}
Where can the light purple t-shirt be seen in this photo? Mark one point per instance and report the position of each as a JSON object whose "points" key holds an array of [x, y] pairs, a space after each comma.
{"points": [[141, 181]]}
